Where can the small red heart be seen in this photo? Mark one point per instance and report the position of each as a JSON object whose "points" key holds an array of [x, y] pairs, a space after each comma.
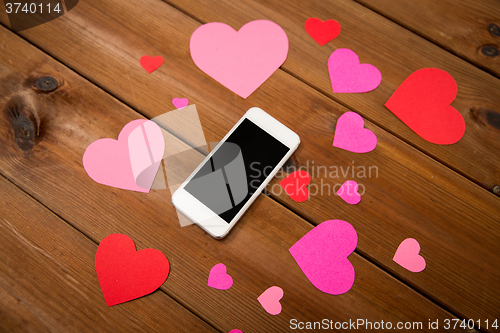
{"points": [[322, 32], [150, 64], [295, 185], [422, 102], [126, 274]]}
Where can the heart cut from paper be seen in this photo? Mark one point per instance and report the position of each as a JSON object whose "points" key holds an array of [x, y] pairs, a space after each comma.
{"points": [[349, 76], [126, 274], [295, 185], [235, 331], [351, 135], [349, 192], [129, 163], [422, 102], [180, 103], [322, 32], [322, 255], [150, 64], [407, 256], [218, 278], [270, 300], [240, 60]]}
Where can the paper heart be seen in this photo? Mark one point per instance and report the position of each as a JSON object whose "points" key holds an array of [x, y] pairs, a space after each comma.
{"points": [[126, 274], [240, 60], [295, 185], [349, 192], [322, 255], [270, 300], [422, 102], [218, 278], [180, 103], [322, 32], [349, 76], [235, 331], [407, 256], [129, 163], [351, 135], [150, 64]]}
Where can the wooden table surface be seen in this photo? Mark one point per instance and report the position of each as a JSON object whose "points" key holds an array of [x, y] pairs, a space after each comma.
{"points": [[53, 215]]}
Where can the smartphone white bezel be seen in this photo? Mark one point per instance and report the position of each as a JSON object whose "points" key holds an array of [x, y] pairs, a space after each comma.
{"points": [[201, 214]]}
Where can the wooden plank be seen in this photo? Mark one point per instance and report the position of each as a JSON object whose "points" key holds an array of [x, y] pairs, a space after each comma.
{"points": [[438, 207], [256, 252], [397, 53], [470, 29], [48, 281]]}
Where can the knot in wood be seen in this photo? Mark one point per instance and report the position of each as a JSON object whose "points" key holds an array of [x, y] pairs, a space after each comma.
{"points": [[24, 132], [494, 29], [489, 50], [496, 189], [46, 84]]}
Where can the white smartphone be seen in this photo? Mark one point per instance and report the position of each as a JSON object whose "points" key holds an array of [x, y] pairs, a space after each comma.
{"points": [[235, 172]]}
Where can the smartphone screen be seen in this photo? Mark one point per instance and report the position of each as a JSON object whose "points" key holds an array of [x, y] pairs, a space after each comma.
{"points": [[236, 170]]}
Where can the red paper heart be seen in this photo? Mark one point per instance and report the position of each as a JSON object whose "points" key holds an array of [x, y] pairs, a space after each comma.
{"points": [[150, 64], [295, 185], [322, 32], [126, 274], [422, 102]]}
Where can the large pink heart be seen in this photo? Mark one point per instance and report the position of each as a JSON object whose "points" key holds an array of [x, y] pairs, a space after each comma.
{"points": [[240, 60], [322, 255], [129, 163], [349, 76]]}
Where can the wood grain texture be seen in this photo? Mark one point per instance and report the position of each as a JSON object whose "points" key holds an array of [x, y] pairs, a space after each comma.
{"points": [[413, 196], [48, 281], [467, 28], [397, 53], [256, 252]]}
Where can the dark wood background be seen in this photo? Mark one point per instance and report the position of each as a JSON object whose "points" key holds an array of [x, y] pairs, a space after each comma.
{"points": [[53, 216]]}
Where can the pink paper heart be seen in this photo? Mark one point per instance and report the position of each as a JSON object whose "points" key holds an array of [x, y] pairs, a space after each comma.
{"points": [[407, 256], [351, 135], [180, 103], [270, 300], [322, 255], [240, 60], [349, 76], [129, 163], [235, 331], [218, 278], [349, 192]]}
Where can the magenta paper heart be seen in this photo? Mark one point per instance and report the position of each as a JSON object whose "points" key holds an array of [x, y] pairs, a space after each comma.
{"points": [[180, 103], [270, 300], [129, 163], [218, 278], [322, 255], [351, 135], [349, 76], [349, 192], [407, 256], [240, 60]]}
